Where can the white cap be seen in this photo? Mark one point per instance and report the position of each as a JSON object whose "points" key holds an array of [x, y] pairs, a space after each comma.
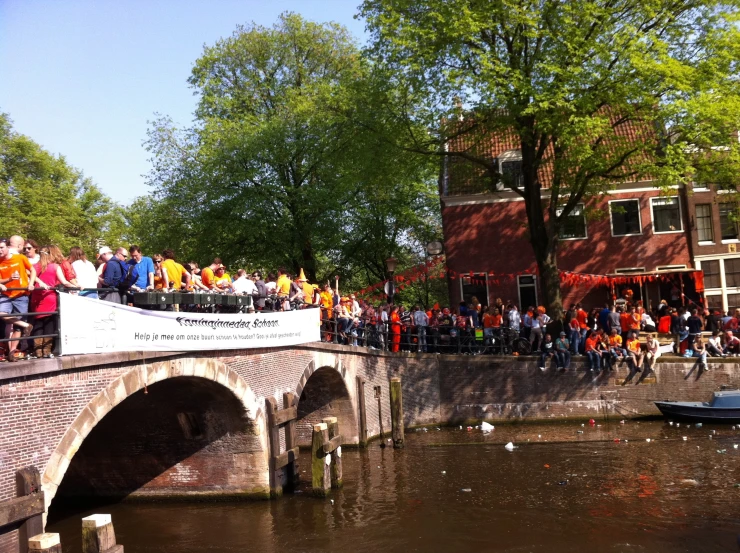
{"points": [[103, 250]]}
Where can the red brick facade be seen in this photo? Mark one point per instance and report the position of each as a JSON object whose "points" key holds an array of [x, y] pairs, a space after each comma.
{"points": [[487, 233]]}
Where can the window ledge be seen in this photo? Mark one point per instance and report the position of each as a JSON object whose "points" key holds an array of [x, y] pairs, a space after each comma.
{"points": [[575, 238], [732, 241], [667, 231], [623, 235], [706, 243]]}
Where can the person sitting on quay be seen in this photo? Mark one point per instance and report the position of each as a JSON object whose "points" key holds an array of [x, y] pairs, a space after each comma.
{"points": [[617, 353], [714, 344], [653, 352], [698, 350], [548, 352], [732, 344], [634, 350], [591, 347], [562, 351]]}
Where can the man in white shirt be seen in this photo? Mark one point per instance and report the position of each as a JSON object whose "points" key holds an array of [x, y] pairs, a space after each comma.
{"points": [[514, 318], [243, 285]]}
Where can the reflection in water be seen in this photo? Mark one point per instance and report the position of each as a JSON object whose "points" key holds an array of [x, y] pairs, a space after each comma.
{"points": [[558, 491]]}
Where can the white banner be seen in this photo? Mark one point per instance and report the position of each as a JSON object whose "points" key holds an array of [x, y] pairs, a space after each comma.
{"points": [[96, 326]]}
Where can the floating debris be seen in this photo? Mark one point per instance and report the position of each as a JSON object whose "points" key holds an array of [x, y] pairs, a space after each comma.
{"points": [[444, 472], [486, 427], [685, 438], [579, 432], [698, 425], [647, 440], [509, 447], [689, 482], [466, 490], [721, 451], [670, 423], [562, 483]]}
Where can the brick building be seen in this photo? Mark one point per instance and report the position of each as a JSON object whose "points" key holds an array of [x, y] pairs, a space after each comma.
{"points": [[651, 238], [715, 244]]}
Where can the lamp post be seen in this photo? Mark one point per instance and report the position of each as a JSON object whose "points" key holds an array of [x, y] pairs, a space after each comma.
{"points": [[390, 288]]}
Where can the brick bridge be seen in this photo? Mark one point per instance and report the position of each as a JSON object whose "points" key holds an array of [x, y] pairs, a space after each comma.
{"points": [[194, 423]]}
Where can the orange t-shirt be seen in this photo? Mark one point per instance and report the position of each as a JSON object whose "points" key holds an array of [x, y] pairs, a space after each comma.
{"points": [[591, 343], [633, 345], [615, 341], [625, 320], [582, 317], [15, 269], [207, 277], [634, 321]]}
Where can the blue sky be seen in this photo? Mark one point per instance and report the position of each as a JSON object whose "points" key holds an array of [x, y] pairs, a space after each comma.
{"points": [[83, 77]]}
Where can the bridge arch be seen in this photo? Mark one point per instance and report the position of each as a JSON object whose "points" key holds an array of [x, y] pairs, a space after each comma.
{"points": [[326, 389], [205, 401]]}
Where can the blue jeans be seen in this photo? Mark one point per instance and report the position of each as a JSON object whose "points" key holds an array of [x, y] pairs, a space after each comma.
{"points": [[575, 341], [594, 360], [421, 332], [563, 359], [702, 356]]}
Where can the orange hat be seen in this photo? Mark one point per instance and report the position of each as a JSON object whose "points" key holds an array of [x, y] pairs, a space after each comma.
{"points": [[302, 276]]}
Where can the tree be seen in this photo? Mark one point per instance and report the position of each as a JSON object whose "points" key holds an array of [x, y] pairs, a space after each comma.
{"points": [[276, 170], [46, 199], [568, 80]]}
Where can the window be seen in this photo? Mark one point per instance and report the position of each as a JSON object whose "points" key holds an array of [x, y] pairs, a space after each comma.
{"points": [[630, 270], [625, 216], [728, 221], [732, 272], [574, 226], [474, 286], [733, 302], [669, 267], [711, 274], [511, 174], [704, 223], [666, 214]]}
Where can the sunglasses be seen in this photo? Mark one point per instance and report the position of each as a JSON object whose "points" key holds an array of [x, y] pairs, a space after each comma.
{"points": [[28, 248], [158, 261]]}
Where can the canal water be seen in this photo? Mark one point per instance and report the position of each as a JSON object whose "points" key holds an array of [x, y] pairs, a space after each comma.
{"points": [[564, 487]]}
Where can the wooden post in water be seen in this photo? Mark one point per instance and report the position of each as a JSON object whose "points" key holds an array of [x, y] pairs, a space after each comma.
{"points": [[396, 412], [273, 435], [362, 411], [98, 535], [378, 393], [320, 462], [336, 455], [45, 543], [27, 483], [291, 441]]}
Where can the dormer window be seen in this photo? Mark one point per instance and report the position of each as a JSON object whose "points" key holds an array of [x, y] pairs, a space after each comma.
{"points": [[510, 167]]}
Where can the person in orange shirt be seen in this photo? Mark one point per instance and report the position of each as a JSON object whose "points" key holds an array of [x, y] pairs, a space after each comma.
{"points": [[593, 343], [616, 351], [625, 320], [395, 329], [634, 322], [634, 350], [16, 271], [208, 274]]}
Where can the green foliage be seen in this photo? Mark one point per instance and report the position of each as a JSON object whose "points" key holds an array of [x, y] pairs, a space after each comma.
{"points": [[278, 168], [595, 90], [46, 199]]}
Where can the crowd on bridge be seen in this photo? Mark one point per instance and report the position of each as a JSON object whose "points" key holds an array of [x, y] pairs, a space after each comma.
{"points": [[620, 331]]}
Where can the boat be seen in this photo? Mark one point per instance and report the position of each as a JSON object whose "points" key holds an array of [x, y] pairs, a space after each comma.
{"points": [[724, 407]]}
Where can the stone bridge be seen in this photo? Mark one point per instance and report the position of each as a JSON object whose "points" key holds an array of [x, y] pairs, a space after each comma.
{"points": [[194, 423]]}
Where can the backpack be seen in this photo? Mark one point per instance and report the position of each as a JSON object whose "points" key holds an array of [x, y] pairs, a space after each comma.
{"points": [[130, 275]]}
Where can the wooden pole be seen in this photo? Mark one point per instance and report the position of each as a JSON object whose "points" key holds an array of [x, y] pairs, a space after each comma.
{"points": [[363, 411], [378, 393], [320, 469], [98, 535], [336, 455], [273, 434], [291, 441], [396, 412], [45, 543], [28, 482]]}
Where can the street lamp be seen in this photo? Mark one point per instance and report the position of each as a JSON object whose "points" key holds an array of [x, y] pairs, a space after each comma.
{"points": [[390, 288], [434, 248]]}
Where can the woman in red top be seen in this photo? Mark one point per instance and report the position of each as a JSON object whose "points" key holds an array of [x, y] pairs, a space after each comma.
{"points": [[664, 324], [395, 328], [44, 300]]}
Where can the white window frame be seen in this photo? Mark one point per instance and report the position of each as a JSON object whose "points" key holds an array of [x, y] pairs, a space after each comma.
{"points": [[668, 268], [737, 227], [711, 226], [629, 270], [582, 207], [508, 155], [652, 214], [519, 294], [639, 217]]}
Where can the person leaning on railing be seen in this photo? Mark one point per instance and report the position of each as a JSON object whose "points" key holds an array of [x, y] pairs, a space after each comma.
{"points": [[44, 301], [17, 278]]}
